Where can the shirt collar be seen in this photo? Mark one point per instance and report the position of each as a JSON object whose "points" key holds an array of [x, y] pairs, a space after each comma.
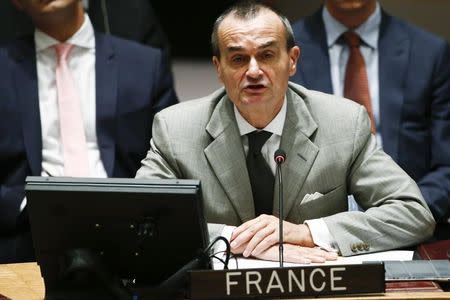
{"points": [[275, 126], [368, 31], [83, 38]]}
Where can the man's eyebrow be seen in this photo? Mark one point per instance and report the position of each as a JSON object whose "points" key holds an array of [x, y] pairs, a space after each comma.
{"points": [[234, 48], [267, 44], [239, 48]]}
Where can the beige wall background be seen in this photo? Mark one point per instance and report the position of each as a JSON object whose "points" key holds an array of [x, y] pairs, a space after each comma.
{"points": [[432, 15]]}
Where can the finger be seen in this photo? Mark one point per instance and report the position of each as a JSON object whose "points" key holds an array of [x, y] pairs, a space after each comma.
{"points": [[242, 228], [297, 260], [267, 232], [296, 254], [238, 250], [243, 237], [328, 255], [315, 258], [245, 226], [331, 255], [316, 254], [246, 235], [252, 222], [271, 239]]}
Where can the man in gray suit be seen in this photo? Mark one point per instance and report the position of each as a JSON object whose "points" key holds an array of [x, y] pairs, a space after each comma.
{"points": [[330, 154]]}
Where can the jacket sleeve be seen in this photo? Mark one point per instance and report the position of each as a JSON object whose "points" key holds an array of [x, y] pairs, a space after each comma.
{"points": [[396, 214]]}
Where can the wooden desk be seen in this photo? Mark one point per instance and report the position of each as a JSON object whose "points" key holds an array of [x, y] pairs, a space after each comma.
{"points": [[24, 282], [21, 281]]}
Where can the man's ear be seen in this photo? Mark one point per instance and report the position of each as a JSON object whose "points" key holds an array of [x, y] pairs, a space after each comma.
{"points": [[216, 62], [17, 4], [294, 55]]}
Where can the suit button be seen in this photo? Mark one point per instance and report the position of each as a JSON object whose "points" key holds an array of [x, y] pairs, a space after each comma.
{"points": [[366, 247], [353, 248], [360, 246]]}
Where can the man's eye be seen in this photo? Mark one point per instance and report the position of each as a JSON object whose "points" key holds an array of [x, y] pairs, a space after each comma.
{"points": [[237, 59], [267, 55]]}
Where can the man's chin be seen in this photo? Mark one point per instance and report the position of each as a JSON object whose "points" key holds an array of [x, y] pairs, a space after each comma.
{"points": [[253, 99], [52, 5], [351, 5], [254, 96]]}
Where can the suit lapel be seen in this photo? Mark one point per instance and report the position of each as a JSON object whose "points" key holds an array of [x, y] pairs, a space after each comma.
{"points": [[227, 159], [314, 55], [25, 84], [106, 100], [300, 151], [393, 60]]}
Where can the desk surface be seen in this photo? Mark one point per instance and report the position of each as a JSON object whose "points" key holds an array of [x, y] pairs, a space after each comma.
{"points": [[24, 282], [21, 281]]}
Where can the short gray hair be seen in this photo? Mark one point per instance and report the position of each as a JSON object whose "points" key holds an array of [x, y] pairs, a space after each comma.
{"points": [[247, 10]]}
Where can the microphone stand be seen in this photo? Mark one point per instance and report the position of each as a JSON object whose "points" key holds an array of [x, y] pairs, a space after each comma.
{"points": [[280, 157], [280, 207]]}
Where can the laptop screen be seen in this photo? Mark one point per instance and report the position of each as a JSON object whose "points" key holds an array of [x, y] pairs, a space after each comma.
{"points": [[139, 229]]}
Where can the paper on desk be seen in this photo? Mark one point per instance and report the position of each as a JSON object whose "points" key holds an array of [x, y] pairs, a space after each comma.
{"points": [[250, 263]]}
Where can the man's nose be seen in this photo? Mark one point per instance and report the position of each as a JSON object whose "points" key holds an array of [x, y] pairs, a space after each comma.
{"points": [[254, 69]]}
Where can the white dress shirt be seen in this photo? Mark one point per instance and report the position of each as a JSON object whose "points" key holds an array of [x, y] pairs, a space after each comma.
{"points": [[81, 61], [319, 230], [273, 143], [339, 53]]}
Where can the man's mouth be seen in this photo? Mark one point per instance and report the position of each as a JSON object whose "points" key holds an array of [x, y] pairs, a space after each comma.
{"points": [[255, 87]]}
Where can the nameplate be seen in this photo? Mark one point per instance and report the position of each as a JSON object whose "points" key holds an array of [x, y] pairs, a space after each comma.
{"points": [[308, 281]]}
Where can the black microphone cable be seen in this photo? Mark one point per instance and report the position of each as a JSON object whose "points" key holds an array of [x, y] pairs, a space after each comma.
{"points": [[177, 281], [227, 251]]}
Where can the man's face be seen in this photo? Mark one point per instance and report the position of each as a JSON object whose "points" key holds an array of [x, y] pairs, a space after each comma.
{"points": [[254, 64], [39, 8]]}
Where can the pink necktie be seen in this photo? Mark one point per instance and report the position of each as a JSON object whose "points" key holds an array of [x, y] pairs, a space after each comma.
{"points": [[70, 119]]}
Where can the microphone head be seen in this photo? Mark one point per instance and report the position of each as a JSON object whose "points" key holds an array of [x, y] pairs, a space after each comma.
{"points": [[279, 156]]}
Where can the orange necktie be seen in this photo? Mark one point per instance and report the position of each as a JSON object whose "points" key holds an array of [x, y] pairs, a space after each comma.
{"points": [[356, 84]]}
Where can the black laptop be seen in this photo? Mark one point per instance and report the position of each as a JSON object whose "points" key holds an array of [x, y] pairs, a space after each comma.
{"points": [[138, 229]]}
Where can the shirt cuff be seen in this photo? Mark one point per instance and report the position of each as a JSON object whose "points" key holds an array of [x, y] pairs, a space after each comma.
{"points": [[321, 235]]}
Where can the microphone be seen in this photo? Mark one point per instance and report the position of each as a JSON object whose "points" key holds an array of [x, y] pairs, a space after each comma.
{"points": [[280, 157]]}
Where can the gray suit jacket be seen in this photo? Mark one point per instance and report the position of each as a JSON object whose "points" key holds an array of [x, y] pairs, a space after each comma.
{"points": [[329, 150]]}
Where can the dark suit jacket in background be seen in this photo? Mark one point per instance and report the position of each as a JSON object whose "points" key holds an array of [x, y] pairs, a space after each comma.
{"points": [[130, 19], [414, 85], [133, 82]]}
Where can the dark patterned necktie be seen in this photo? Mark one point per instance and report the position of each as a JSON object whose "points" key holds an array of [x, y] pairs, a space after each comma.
{"points": [[356, 84], [261, 176]]}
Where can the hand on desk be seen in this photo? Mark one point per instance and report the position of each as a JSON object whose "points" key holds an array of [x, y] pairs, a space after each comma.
{"points": [[259, 238], [297, 254]]}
